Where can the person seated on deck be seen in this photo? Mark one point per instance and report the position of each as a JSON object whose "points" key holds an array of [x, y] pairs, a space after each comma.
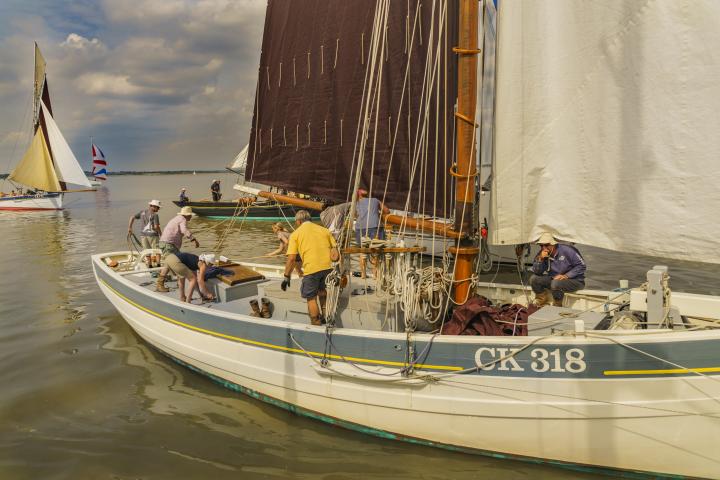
{"points": [[183, 196], [368, 223], [557, 268], [284, 237], [215, 190], [191, 267], [318, 250]]}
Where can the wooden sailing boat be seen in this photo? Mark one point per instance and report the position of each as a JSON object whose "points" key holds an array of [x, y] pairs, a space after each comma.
{"points": [[250, 208], [640, 395], [48, 165]]}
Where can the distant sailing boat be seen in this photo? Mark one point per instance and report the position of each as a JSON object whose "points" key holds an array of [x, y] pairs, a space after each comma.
{"points": [[604, 124], [48, 165], [99, 165], [240, 162], [248, 207]]}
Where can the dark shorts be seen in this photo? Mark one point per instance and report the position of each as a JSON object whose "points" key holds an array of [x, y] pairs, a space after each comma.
{"points": [[313, 283], [374, 233]]}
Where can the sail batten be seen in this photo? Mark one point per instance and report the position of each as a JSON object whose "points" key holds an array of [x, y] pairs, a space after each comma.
{"points": [[606, 125], [66, 165]]}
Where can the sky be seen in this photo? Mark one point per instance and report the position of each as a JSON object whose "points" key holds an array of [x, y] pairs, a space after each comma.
{"points": [[158, 84]]}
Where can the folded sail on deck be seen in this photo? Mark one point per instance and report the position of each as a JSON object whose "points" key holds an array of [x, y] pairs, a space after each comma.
{"points": [[312, 89], [607, 121]]}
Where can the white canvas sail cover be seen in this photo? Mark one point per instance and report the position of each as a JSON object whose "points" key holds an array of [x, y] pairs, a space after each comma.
{"points": [[66, 165], [608, 125], [240, 161]]}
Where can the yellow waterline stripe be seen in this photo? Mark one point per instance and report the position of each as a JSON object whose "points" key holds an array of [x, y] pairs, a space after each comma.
{"points": [[270, 345], [663, 372]]}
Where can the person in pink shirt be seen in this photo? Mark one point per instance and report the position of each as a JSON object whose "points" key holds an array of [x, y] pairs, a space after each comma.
{"points": [[170, 243]]}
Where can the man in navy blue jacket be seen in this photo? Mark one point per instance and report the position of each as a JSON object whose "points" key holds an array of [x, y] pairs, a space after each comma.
{"points": [[557, 268]]}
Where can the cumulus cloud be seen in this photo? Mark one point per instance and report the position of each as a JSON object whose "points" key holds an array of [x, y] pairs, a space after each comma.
{"points": [[156, 82], [107, 84], [78, 42]]}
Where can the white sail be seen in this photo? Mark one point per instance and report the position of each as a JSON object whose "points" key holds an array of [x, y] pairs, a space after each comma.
{"points": [[66, 165], [240, 160], [607, 121]]}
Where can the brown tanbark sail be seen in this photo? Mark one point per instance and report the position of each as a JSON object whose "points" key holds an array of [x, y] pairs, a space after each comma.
{"points": [[310, 97]]}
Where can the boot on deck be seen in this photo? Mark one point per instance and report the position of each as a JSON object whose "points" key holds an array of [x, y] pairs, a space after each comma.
{"points": [[160, 285], [543, 298]]}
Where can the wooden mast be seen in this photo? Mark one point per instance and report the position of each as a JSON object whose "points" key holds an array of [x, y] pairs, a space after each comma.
{"points": [[465, 170]]}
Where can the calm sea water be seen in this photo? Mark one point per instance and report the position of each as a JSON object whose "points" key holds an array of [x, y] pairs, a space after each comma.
{"points": [[82, 397]]}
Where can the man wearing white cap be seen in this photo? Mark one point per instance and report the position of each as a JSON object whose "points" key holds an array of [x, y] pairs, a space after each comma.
{"points": [[183, 196], [150, 221], [557, 268], [193, 269], [171, 241]]}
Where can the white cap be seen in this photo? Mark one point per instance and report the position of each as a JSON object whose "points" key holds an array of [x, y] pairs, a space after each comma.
{"points": [[155, 203], [185, 211], [207, 258]]}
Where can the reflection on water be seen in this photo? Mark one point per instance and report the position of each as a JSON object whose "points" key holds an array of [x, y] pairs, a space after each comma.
{"points": [[83, 397]]}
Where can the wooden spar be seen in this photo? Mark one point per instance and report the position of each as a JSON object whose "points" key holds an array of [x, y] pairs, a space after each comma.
{"points": [[298, 202], [464, 171], [439, 228], [383, 250]]}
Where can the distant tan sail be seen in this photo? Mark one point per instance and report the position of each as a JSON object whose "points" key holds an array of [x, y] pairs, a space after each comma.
{"points": [[36, 168], [39, 72]]}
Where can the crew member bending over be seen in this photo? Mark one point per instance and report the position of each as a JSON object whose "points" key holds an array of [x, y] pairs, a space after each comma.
{"points": [[283, 237], [557, 268], [317, 247]]}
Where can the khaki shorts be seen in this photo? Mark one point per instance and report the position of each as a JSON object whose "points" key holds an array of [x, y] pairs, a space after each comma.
{"points": [[180, 269], [149, 241]]}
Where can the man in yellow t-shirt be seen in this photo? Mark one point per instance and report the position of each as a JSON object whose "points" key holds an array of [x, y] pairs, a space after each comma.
{"points": [[317, 248]]}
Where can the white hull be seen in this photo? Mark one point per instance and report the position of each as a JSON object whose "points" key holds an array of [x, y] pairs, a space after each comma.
{"points": [[667, 425], [30, 203]]}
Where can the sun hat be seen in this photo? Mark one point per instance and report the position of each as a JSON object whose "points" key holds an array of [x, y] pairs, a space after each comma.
{"points": [[183, 188], [207, 258], [155, 203], [185, 211], [546, 238]]}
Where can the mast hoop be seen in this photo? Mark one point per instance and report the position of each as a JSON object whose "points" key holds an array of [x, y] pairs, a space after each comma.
{"points": [[466, 119], [453, 172], [467, 51]]}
